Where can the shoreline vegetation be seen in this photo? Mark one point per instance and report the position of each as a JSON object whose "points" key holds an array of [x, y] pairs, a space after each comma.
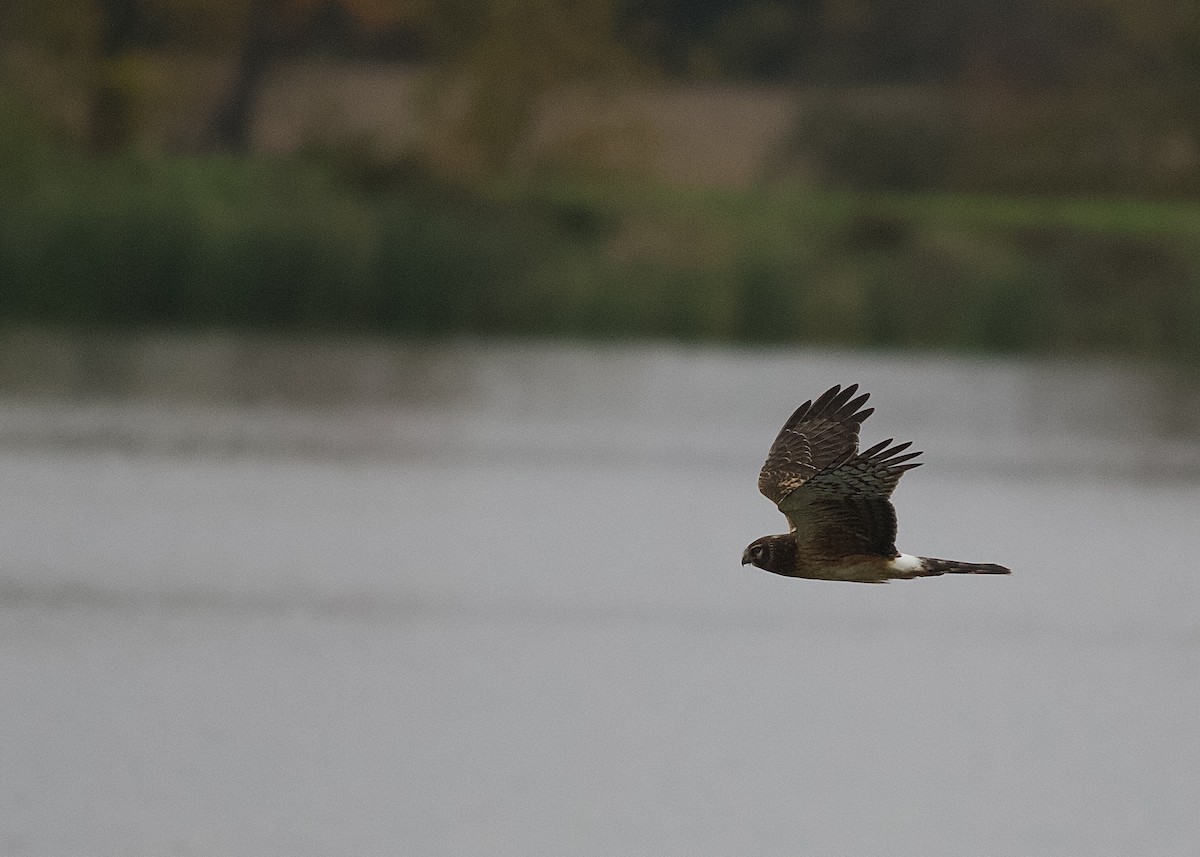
{"points": [[329, 243], [1022, 180]]}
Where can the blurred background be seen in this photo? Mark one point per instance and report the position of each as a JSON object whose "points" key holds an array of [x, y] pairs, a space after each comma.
{"points": [[383, 385]]}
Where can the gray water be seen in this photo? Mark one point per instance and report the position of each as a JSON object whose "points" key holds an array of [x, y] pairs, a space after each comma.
{"points": [[469, 600]]}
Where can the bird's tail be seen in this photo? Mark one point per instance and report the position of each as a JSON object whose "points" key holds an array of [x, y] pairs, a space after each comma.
{"points": [[932, 567]]}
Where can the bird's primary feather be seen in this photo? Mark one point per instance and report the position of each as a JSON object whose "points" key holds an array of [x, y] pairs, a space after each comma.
{"points": [[820, 435]]}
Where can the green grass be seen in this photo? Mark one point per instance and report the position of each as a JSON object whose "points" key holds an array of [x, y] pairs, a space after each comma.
{"points": [[1116, 216], [333, 245], [957, 271]]}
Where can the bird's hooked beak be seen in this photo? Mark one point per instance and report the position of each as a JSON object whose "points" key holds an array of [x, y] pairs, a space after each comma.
{"points": [[746, 556]]}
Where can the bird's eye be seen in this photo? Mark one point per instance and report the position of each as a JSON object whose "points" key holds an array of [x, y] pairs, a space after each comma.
{"points": [[757, 550]]}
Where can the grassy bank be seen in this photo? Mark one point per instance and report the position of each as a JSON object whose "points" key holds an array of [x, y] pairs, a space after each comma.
{"points": [[323, 244]]}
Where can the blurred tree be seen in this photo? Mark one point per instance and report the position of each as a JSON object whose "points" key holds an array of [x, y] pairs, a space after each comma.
{"points": [[495, 60], [499, 58], [269, 27], [765, 41], [107, 41], [672, 32], [1127, 72], [904, 41], [87, 37], [263, 27]]}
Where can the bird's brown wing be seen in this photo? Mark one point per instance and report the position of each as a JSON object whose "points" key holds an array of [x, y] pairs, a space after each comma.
{"points": [[820, 435], [845, 510]]}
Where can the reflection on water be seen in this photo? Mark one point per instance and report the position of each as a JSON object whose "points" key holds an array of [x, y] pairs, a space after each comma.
{"points": [[274, 598], [225, 394]]}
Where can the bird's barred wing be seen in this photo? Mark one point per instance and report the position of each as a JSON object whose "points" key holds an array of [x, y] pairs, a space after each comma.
{"points": [[845, 511], [819, 436], [872, 473]]}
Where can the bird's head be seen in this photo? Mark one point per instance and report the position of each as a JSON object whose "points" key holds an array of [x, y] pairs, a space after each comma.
{"points": [[772, 553]]}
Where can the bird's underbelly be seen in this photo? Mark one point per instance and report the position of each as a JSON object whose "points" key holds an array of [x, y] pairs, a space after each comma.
{"points": [[854, 569]]}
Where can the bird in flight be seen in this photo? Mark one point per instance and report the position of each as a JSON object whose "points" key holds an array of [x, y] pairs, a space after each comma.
{"points": [[837, 500]]}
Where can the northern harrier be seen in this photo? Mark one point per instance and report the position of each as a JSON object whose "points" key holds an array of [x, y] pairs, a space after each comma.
{"points": [[837, 500]]}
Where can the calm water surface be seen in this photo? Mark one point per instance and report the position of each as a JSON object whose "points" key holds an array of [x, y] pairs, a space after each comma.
{"points": [[466, 600]]}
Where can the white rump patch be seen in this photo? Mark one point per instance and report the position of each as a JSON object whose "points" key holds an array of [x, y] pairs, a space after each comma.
{"points": [[906, 563]]}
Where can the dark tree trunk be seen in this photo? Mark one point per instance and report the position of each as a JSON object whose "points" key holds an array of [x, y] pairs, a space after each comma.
{"points": [[229, 126], [111, 113]]}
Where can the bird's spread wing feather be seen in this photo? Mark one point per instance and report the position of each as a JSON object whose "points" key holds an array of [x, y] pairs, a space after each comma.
{"points": [[820, 435], [872, 473], [836, 500], [845, 511]]}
